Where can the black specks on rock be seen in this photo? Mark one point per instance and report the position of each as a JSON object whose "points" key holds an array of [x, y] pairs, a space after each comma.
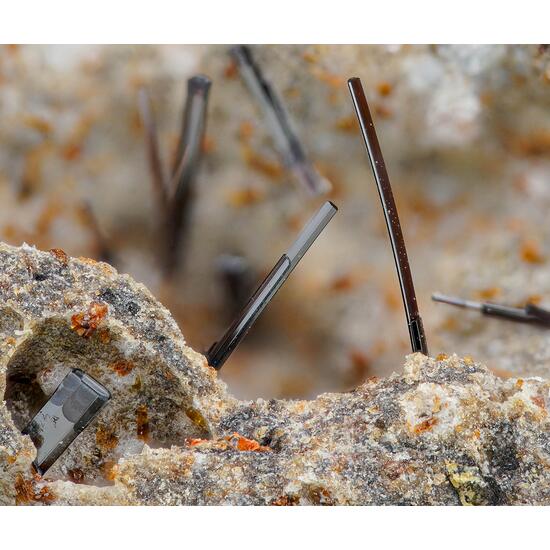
{"points": [[40, 277], [502, 452], [108, 296], [133, 308], [237, 421], [273, 439], [495, 495], [121, 300]]}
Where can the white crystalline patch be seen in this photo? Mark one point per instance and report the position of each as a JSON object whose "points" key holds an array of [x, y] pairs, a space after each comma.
{"points": [[451, 102], [423, 73], [473, 59], [454, 110], [51, 376], [127, 346], [434, 406], [529, 394], [128, 446], [536, 179], [64, 58]]}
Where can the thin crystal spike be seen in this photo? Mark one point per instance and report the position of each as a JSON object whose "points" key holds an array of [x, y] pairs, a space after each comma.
{"points": [[528, 314], [414, 321], [222, 349], [453, 300], [188, 158], [278, 122]]}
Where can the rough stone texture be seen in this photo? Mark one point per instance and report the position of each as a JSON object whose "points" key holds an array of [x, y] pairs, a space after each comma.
{"points": [[444, 431]]}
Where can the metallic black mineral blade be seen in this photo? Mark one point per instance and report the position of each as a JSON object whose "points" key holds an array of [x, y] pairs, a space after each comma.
{"points": [[529, 314], [414, 321], [73, 405], [221, 350]]}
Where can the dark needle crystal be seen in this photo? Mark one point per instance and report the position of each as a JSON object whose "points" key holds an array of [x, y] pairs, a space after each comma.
{"points": [[528, 314], [189, 154], [221, 350], [414, 321], [277, 119]]}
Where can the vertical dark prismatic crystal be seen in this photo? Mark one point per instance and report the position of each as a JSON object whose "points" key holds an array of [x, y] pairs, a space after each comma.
{"points": [[278, 122], [221, 350], [73, 405], [175, 191], [414, 321], [188, 157]]}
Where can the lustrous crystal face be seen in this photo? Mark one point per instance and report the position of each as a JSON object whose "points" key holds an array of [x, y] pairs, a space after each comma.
{"points": [[73, 405]]}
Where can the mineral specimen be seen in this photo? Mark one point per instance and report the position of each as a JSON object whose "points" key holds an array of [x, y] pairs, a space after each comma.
{"points": [[444, 431], [465, 131]]}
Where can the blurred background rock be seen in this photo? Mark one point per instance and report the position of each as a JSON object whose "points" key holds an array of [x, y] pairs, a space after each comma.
{"points": [[466, 135]]}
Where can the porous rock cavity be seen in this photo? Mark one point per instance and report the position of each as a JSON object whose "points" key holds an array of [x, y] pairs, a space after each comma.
{"points": [[444, 431]]}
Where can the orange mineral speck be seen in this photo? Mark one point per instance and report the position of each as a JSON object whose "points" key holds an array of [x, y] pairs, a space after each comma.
{"points": [[310, 57], [26, 492], [489, 293], [104, 335], [105, 438], [208, 144], [122, 367], [89, 261], [530, 253], [347, 124], [244, 444], [286, 500], [384, 88], [425, 426], [230, 70], [331, 79], [537, 143], [85, 324], [76, 475], [71, 151], [534, 299], [360, 363], [271, 169], [348, 281], [245, 196], [61, 255], [37, 123], [142, 423], [442, 357], [539, 401], [109, 470], [193, 442]]}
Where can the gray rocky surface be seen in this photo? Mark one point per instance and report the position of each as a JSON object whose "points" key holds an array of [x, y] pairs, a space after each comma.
{"points": [[442, 431]]}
